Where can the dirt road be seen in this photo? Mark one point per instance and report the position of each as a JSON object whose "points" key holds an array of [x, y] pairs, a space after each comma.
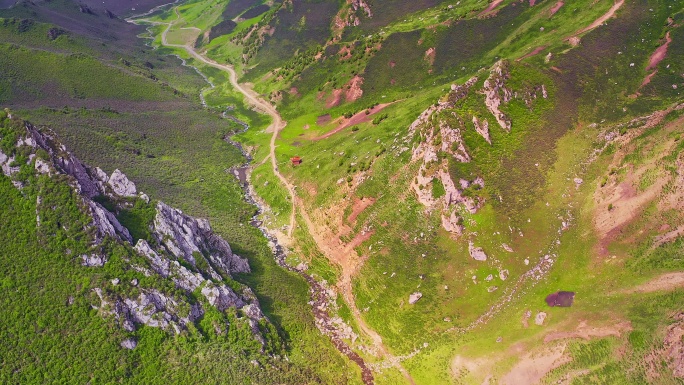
{"points": [[276, 126]]}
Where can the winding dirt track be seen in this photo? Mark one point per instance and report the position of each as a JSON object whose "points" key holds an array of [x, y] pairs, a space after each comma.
{"points": [[276, 126]]}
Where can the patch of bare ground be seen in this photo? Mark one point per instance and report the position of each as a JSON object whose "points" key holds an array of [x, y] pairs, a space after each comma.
{"points": [[323, 120], [430, 55], [351, 91], [619, 203], [533, 366], [345, 53], [463, 366], [358, 206], [489, 10], [354, 91], [660, 53], [587, 332], [665, 282], [358, 118], [574, 39], [656, 57], [334, 99], [532, 53], [671, 352], [556, 7]]}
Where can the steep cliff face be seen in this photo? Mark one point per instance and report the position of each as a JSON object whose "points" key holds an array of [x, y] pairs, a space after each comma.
{"points": [[179, 248]]}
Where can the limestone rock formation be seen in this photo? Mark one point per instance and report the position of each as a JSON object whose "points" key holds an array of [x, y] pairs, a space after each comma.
{"points": [[496, 93], [185, 237], [476, 252], [176, 243], [129, 343], [539, 318], [413, 298], [121, 184]]}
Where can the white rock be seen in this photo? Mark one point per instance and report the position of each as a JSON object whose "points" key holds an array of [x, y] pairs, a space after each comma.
{"points": [[503, 274], [539, 318], [476, 252], [129, 344], [121, 185], [413, 298]]}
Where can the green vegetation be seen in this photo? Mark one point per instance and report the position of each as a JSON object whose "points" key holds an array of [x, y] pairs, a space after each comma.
{"points": [[585, 178]]}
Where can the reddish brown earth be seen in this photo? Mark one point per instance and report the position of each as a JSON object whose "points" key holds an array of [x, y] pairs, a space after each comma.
{"points": [[345, 53], [354, 91], [334, 99], [358, 118], [491, 7], [656, 57], [659, 54], [647, 80], [430, 55], [555, 8], [358, 207], [534, 52], [323, 119], [602, 19]]}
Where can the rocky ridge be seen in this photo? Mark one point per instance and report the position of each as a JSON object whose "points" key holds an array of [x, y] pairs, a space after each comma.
{"points": [[440, 130], [181, 248]]}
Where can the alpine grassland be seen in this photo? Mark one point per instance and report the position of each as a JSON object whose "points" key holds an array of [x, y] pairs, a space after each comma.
{"points": [[437, 168]]}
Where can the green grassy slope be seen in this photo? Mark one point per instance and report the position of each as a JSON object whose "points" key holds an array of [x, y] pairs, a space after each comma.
{"points": [[118, 104], [528, 173]]}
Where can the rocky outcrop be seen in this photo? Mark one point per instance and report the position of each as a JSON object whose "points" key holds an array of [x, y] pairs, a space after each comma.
{"points": [[496, 93], [363, 6], [415, 297], [441, 137], [482, 128], [121, 185], [540, 318], [106, 223], [476, 252], [180, 248], [129, 343], [186, 238]]}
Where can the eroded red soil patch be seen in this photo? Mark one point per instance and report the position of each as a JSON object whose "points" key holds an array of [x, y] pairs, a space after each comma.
{"points": [[491, 7], [354, 91], [351, 91], [659, 54], [334, 99], [358, 118], [602, 19], [556, 7], [323, 119], [534, 52], [358, 206], [430, 55]]}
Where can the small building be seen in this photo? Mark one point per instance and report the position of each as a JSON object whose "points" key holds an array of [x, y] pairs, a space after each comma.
{"points": [[561, 298], [296, 161]]}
